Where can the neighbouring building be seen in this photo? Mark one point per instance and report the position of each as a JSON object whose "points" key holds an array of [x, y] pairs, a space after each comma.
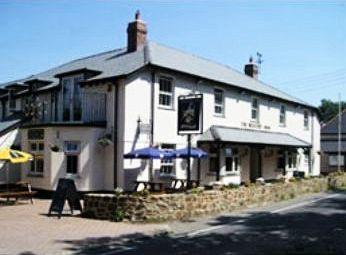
{"points": [[330, 145], [79, 119]]}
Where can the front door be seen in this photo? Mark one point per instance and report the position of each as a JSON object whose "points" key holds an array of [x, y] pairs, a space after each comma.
{"points": [[255, 164]]}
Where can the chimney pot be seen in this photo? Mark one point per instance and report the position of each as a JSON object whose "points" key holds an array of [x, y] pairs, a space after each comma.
{"points": [[136, 33], [251, 69]]}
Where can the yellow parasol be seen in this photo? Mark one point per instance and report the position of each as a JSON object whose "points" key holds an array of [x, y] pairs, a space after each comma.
{"points": [[14, 156]]}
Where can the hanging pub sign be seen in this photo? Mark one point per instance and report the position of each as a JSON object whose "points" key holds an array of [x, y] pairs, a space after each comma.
{"points": [[190, 114]]}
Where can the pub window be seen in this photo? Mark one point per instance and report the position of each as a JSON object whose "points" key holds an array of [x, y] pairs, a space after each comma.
{"points": [[166, 92], [281, 159], [36, 148], [282, 115], [72, 152], [306, 119], [11, 101], [333, 160], [232, 160], [292, 160], [254, 109], [218, 102], [214, 160], [167, 165]]}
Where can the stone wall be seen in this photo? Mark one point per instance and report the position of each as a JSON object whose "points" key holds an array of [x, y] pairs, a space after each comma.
{"points": [[161, 207]]}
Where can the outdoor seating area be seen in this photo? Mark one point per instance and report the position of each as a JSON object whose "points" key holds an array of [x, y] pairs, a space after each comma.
{"points": [[16, 191]]}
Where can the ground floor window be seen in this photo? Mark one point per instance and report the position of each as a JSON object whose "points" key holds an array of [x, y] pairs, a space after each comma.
{"points": [[72, 152], [167, 165], [214, 160], [292, 160], [333, 160], [280, 160], [36, 148], [232, 160]]}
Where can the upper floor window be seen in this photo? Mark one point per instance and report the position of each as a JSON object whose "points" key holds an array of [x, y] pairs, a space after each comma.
{"points": [[282, 115], [72, 98], [218, 102], [306, 119], [254, 109], [11, 100], [166, 92]]}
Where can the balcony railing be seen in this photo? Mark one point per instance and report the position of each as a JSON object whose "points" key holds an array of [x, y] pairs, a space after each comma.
{"points": [[90, 108]]}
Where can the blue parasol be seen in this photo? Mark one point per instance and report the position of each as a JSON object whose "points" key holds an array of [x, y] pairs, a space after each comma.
{"points": [[194, 153], [148, 153]]}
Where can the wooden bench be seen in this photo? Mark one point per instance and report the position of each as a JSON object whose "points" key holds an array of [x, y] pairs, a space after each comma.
{"points": [[19, 190]]}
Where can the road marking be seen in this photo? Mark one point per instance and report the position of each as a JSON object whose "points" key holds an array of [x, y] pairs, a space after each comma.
{"points": [[205, 230], [303, 204]]}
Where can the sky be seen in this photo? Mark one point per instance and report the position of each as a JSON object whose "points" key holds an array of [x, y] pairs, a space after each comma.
{"points": [[302, 42]]}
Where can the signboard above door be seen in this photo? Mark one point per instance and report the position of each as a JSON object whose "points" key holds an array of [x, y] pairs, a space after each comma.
{"points": [[190, 114]]}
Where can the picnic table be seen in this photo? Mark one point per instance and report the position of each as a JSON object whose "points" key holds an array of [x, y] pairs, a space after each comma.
{"points": [[183, 183], [150, 185], [17, 190]]}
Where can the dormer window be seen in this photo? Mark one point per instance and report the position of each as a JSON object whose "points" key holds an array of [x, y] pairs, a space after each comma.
{"points": [[72, 98], [12, 105]]}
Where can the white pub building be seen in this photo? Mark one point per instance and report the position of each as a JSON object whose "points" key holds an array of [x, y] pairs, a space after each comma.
{"points": [[80, 118]]}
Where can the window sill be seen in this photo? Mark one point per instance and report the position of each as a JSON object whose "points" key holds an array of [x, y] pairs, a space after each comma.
{"points": [[73, 176], [35, 175], [161, 107], [164, 175], [219, 115], [233, 173]]}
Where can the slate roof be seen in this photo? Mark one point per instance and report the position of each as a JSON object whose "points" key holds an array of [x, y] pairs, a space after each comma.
{"points": [[5, 126], [332, 126], [247, 136], [119, 62]]}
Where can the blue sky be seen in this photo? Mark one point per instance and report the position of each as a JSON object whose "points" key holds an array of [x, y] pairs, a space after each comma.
{"points": [[303, 43]]}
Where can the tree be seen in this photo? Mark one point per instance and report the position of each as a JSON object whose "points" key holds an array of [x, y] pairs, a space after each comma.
{"points": [[329, 109]]}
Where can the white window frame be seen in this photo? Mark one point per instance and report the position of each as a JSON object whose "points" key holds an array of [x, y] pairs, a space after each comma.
{"points": [[235, 158], [306, 119], [333, 160], [37, 154], [75, 152], [167, 163], [222, 104], [255, 109], [165, 93], [282, 115]]}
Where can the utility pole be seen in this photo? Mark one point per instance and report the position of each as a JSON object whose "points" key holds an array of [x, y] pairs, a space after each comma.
{"points": [[339, 136]]}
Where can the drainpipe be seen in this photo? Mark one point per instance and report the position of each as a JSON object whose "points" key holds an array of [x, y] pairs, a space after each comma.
{"points": [[115, 134], [312, 144], [152, 115]]}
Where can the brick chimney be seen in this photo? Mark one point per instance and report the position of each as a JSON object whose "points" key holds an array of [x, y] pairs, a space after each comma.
{"points": [[251, 69], [136, 33]]}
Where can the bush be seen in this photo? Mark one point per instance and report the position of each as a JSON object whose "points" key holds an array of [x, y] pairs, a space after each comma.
{"points": [[118, 216], [142, 193]]}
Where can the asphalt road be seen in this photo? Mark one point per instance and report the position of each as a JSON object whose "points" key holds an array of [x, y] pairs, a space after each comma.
{"points": [[310, 225]]}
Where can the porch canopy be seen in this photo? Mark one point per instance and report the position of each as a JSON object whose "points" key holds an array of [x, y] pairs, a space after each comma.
{"points": [[247, 136]]}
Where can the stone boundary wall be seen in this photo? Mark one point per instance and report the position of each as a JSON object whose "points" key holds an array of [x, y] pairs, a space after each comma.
{"points": [[162, 207]]}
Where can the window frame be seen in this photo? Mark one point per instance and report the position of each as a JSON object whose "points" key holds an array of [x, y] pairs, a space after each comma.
{"points": [[165, 93], [306, 119], [222, 104], [255, 109], [167, 163], [12, 102], [75, 153], [282, 115], [213, 155], [235, 159], [336, 160], [38, 156]]}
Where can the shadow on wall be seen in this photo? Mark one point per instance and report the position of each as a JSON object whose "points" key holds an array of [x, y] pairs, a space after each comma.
{"points": [[304, 232]]}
